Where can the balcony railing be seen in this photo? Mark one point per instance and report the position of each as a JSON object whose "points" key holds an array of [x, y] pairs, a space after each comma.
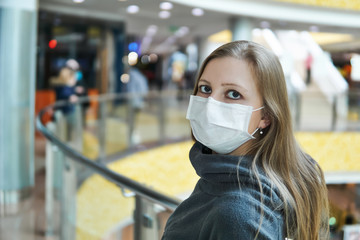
{"points": [[99, 183]]}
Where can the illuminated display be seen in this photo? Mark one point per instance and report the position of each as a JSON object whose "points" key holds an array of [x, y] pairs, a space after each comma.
{"points": [[52, 43]]}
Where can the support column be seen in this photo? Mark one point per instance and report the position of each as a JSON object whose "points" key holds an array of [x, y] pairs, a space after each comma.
{"points": [[18, 24], [241, 28]]}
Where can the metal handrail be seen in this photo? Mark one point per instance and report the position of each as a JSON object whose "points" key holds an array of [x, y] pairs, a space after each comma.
{"points": [[120, 180]]}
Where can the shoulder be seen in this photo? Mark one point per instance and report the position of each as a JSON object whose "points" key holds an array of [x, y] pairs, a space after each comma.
{"points": [[247, 203], [238, 216]]}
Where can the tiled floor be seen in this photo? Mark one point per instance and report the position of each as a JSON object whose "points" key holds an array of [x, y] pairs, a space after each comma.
{"points": [[29, 223]]}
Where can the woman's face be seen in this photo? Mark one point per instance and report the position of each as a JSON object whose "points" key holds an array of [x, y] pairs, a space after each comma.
{"points": [[230, 80]]}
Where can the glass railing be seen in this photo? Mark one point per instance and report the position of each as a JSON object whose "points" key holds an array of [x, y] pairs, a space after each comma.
{"points": [[84, 139], [117, 165]]}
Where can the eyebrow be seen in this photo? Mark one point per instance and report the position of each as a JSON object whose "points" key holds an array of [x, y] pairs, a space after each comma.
{"points": [[226, 84], [203, 80]]}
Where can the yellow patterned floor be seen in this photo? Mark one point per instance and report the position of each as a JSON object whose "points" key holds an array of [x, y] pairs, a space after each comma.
{"points": [[100, 204], [342, 4], [334, 151]]}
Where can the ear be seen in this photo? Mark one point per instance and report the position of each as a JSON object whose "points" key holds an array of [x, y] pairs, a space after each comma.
{"points": [[264, 122]]}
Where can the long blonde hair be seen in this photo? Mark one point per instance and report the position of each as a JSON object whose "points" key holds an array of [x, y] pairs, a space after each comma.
{"points": [[299, 179]]}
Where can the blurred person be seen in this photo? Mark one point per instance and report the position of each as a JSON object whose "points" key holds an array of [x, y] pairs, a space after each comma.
{"points": [[81, 89], [255, 181], [65, 91], [308, 65], [137, 87], [177, 69], [189, 77]]}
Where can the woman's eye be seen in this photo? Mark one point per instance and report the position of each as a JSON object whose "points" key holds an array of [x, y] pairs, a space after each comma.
{"points": [[205, 89], [233, 94]]}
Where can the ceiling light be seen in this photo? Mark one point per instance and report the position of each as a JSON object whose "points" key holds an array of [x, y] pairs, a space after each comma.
{"points": [[132, 9], [197, 12], [78, 1], [125, 78], [164, 14], [133, 46], [153, 57], [166, 6], [122, 0], [145, 59], [132, 58]]}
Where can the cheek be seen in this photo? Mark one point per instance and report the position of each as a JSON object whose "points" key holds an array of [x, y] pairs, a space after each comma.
{"points": [[254, 121]]}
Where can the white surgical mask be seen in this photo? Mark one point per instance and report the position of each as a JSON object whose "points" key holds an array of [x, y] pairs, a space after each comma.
{"points": [[220, 126]]}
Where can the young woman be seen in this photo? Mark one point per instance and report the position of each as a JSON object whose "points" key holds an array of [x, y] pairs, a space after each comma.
{"points": [[255, 181]]}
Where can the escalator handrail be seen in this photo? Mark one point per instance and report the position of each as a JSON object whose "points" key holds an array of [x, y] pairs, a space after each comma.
{"points": [[119, 179]]}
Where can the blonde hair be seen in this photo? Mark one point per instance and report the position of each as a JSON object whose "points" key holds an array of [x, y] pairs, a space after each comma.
{"points": [[299, 179]]}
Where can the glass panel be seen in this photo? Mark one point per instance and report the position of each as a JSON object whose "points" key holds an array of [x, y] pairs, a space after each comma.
{"points": [[149, 143]]}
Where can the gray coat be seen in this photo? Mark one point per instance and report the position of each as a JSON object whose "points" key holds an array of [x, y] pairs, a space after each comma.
{"points": [[219, 208]]}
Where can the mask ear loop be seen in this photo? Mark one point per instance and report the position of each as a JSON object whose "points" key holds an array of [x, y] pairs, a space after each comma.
{"points": [[258, 109], [261, 130], [255, 131]]}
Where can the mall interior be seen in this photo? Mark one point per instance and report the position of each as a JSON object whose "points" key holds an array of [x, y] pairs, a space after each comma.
{"points": [[94, 141]]}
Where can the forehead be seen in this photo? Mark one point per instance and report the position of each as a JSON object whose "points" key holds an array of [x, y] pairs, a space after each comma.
{"points": [[229, 70]]}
